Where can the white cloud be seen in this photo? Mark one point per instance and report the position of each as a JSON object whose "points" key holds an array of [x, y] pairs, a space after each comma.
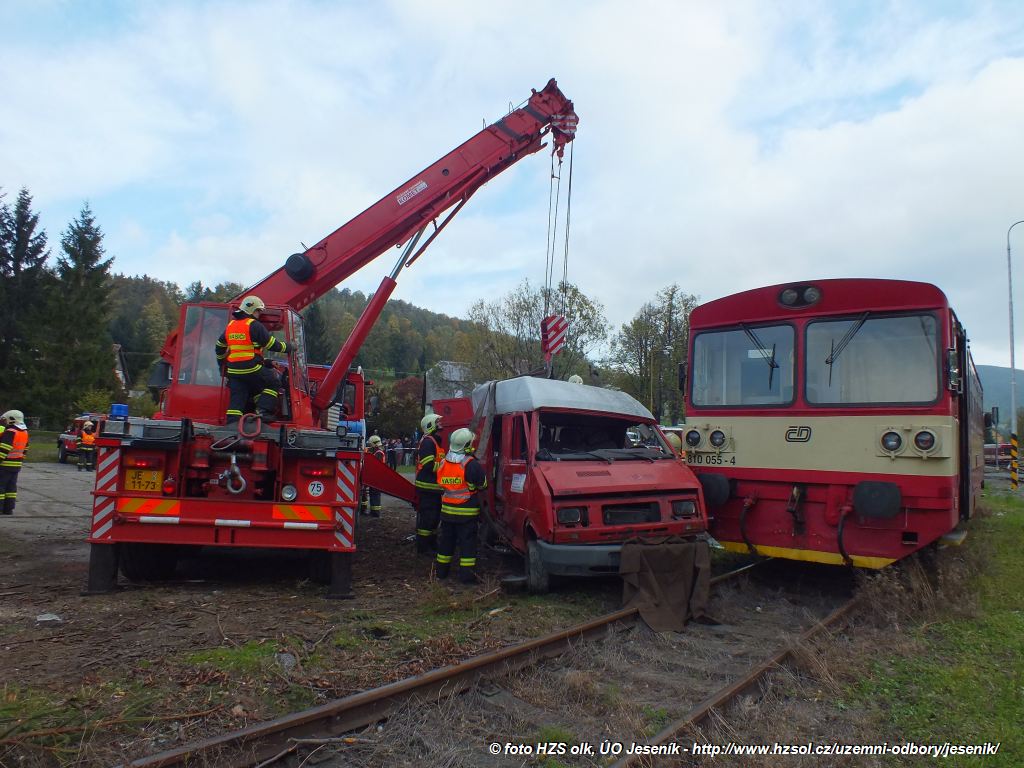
{"points": [[721, 146]]}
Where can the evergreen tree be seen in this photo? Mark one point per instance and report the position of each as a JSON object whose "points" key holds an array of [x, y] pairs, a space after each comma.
{"points": [[318, 349], [25, 283], [83, 342]]}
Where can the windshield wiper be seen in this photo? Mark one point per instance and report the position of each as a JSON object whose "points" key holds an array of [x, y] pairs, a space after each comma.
{"points": [[765, 355], [837, 349]]}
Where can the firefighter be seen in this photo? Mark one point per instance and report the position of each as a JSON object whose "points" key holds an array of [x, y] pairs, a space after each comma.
{"points": [[85, 445], [429, 455], [241, 347], [461, 477], [13, 447], [371, 496]]}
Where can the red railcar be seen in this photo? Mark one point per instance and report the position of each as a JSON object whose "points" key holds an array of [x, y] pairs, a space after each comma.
{"points": [[836, 421]]}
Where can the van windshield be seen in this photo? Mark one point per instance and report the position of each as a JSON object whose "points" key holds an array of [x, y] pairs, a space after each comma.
{"points": [[576, 437]]}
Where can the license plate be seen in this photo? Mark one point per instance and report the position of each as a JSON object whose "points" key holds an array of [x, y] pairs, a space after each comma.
{"points": [[143, 480]]}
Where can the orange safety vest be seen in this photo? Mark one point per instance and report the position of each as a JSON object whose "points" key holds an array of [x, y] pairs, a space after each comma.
{"points": [[426, 468], [239, 341], [88, 438], [17, 453], [455, 491]]}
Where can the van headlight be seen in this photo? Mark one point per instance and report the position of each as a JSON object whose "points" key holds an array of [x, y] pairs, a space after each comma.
{"points": [[569, 515], [681, 509]]}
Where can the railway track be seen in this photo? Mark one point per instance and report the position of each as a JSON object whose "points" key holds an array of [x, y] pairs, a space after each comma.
{"points": [[538, 690]]}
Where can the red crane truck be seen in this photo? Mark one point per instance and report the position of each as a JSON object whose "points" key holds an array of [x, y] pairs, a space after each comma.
{"points": [[186, 479]]}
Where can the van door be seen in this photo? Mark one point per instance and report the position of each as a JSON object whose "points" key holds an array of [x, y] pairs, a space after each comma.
{"points": [[516, 453]]}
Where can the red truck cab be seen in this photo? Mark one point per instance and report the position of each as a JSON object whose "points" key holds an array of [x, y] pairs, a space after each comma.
{"points": [[67, 442], [566, 485]]}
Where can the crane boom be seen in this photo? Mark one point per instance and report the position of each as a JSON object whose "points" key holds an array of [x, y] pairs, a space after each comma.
{"points": [[405, 210]]}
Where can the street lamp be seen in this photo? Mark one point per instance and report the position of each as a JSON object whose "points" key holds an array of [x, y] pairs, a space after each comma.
{"points": [[1013, 368]]}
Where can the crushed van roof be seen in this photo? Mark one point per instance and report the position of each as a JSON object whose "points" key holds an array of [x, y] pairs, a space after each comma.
{"points": [[529, 394]]}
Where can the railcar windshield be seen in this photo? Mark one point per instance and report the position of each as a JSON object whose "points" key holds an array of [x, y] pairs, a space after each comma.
{"points": [[866, 360], [749, 365]]}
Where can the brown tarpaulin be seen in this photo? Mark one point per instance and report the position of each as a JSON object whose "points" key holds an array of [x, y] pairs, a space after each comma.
{"points": [[667, 580]]}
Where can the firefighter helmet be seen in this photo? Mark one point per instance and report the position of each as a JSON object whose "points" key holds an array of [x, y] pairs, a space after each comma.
{"points": [[88, 425], [17, 418], [252, 304], [575, 379], [462, 440], [430, 423], [374, 441], [674, 441]]}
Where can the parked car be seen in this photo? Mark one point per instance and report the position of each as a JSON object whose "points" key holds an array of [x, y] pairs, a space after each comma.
{"points": [[67, 442]]}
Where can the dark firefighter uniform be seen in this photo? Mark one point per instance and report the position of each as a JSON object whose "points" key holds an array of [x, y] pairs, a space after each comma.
{"points": [[461, 477], [428, 508], [371, 496], [242, 346], [13, 447]]}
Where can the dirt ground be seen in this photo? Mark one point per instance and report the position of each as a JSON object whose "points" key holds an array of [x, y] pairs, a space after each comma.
{"points": [[235, 639]]}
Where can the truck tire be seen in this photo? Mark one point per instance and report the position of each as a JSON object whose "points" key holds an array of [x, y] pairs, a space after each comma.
{"points": [[537, 579], [62, 453], [148, 562]]}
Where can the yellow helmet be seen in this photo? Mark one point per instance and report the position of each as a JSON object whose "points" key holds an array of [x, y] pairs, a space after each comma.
{"points": [[13, 417], [374, 441], [252, 304], [430, 423], [462, 440], [575, 379]]}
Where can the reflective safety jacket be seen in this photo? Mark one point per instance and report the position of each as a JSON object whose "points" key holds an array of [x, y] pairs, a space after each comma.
{"points": [[87, 439], [461, 478], [243, 343], [13, 447], [379, 453], [429, 456]]}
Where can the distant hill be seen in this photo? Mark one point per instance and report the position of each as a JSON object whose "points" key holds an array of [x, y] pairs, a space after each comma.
{"points": [[995, 380]]}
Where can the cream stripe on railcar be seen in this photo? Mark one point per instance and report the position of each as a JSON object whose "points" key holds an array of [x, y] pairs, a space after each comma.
{"points": [[827, 443]]}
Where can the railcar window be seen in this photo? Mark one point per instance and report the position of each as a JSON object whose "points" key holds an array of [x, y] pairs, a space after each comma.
{"points": [[752, 365], [886, 360]]}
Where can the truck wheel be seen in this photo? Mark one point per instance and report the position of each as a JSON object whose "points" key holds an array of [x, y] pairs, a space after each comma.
{"points": [[537, 579], [62, 454], [148, 562]]}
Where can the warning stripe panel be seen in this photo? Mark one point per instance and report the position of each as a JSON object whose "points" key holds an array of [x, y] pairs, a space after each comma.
{"points": [[138, 506], [300, 512], [108, 465], [347, 482]]}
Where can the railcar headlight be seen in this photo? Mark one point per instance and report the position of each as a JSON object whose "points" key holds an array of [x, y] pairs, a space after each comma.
{"points": [[892, 442], [788, 297], [288, 493], [811, 294], [717, 438], [693, 438], [924, 440], [569, 515]]}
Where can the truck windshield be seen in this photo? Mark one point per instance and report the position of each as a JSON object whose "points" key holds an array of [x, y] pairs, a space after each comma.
{"points": [[575, 437], [885, 360], [751, 365]]}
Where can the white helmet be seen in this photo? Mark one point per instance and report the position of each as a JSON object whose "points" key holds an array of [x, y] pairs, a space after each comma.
{"points": [[374, 441], [430, 423], [575, 379], [462, 440], [251, 304], [17, 418]]}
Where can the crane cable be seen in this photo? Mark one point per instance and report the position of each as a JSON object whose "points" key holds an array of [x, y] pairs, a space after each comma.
{"points": [[554, 203]]}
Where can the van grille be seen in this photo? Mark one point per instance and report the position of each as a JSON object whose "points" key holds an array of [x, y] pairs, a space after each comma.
{"points": [[631, 514]]}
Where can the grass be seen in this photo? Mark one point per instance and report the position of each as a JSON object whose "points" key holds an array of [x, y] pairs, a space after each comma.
{"points": [[250, 657], [42, 446], [964, 681]]}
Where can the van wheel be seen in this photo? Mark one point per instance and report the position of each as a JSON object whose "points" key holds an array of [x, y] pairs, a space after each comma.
{"points": [[537, 579], [62, 454], [148, 562]]}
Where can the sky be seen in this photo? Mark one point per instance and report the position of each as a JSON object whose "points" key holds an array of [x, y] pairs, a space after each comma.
{"points": [[722, 146]]}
